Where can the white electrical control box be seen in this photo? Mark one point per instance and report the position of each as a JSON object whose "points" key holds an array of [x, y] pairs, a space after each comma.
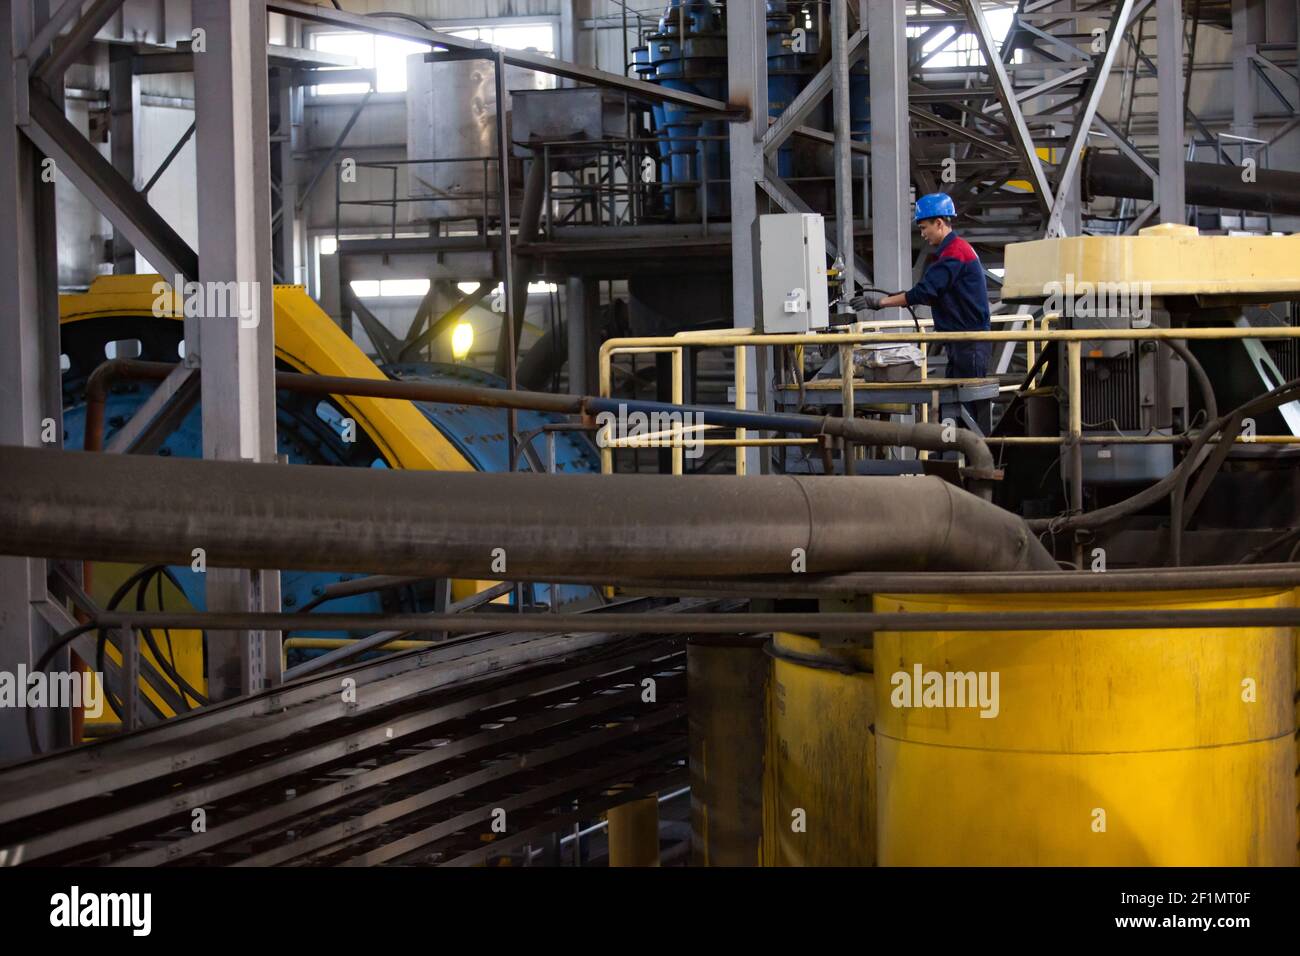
{"points": [[792, 263]]}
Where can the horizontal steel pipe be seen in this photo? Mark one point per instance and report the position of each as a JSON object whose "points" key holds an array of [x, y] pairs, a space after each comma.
{"points": [[102, 378], [1273, 191], [859, 431], [961, 582], [720, 623], [61, 504]]}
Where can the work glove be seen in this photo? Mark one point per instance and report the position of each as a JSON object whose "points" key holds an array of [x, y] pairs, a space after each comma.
{"points": [[867, 301]]}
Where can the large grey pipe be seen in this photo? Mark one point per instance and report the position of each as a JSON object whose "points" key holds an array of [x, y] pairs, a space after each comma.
{"points": [[61, 504]]}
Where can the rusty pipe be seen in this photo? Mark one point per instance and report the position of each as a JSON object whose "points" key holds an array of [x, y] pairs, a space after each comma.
{"points": [[59, 504]]}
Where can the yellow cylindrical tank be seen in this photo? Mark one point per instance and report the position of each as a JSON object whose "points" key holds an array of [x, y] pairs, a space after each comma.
{"points": [[1124, 747], [820, 803]]}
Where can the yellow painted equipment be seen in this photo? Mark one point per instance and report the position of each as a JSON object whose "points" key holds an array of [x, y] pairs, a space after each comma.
{"points": [[634, 832], [308, 341], [820, 801], [1126, 747], [1168, 259], [182, 649]]}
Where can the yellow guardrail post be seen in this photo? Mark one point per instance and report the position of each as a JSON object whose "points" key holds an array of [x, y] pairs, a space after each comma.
{"points": [[741, 383]]}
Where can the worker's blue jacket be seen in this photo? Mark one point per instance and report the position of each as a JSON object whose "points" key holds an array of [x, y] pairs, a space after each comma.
{"points": [[954, 288]]}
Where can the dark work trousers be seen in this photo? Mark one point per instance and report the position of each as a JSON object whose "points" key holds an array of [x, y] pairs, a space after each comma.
{"points": [[970, 360]]}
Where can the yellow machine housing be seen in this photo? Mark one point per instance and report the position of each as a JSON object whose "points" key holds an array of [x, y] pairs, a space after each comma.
{"points": [[1168, 259]]}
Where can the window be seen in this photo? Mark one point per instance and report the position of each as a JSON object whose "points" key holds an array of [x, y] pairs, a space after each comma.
{"points": [[386, 288], [964, 51], [525, 36], [387, 55], [411, 287]]}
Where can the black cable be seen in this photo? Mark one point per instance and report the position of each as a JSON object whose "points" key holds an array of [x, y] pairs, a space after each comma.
{"points": [[910, 310], [63, 640], [102, 638], [400, 16], [167, 632], [169, 670], [1271, 399], [1256, 553], [141, 577], [172, 670]]}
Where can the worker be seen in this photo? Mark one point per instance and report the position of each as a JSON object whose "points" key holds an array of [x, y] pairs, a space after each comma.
{"points": [[955, 290]]}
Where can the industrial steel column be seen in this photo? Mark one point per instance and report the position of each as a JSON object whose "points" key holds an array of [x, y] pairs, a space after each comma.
{"points": [[512, 318], [1243, 71], [30, 407], [891, 228], [235, 343], [747, 78], [1173, 151], [576, 307], [843, 153], [123, 117], [285, 224]]}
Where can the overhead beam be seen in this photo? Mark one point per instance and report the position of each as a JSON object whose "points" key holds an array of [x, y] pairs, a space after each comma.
{"points": [[406, 29], [70, 46], [302, 61]]}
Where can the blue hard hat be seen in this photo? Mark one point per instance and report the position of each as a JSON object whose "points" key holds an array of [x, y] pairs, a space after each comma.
{"points": [[935, 204]]}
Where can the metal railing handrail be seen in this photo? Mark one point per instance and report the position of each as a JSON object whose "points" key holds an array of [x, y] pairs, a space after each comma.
{"points": [[741, 339]]}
